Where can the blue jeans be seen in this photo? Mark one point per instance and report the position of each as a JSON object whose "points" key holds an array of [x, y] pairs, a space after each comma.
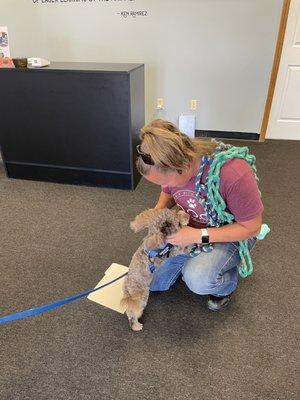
{"points": [[213, 273]]}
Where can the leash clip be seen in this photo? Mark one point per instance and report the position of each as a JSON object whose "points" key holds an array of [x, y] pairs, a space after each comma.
{"points": [[199, 248]]}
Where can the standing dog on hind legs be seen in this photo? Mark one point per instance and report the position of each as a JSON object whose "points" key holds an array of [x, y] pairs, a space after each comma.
{"points": [[160, 223]]}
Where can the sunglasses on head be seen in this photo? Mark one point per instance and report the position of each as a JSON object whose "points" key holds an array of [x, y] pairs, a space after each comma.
{"points": [[145, 157]]}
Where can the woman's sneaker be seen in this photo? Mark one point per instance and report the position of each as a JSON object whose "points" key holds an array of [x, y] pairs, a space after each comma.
{"points": [[217, 303]]}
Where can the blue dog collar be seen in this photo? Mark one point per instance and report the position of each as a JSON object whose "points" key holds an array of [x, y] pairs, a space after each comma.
{"points": [[159, 252]]}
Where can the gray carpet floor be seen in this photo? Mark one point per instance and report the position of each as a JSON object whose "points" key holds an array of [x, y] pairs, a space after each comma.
{"points": [[57, 240]]}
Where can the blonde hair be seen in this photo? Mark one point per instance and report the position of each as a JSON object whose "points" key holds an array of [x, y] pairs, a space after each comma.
{"points": [[170, 149]]}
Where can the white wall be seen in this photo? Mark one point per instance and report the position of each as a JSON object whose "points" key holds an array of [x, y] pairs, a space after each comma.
{"points": [[217, 51]]}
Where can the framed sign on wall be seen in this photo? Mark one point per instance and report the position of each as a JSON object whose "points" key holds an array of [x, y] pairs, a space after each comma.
{"points": [[5, 60]]}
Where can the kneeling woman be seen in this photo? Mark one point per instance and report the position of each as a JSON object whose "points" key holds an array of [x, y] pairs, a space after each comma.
{"points": [[178, 164]]}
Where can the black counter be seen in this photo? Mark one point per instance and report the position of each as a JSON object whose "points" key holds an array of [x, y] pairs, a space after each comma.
{"points": [[72, 123]]}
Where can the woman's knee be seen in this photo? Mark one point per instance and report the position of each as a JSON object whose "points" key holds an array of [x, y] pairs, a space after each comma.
{"points": [[202, 281], [210, 272], [198, 278]]}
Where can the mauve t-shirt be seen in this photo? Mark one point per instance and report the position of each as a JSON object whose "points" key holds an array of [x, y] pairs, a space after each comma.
{"points": [[238, 188]]}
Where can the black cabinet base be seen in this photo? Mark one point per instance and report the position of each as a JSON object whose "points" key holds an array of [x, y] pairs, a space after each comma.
{"points": [[76, 176], [73, 123]]}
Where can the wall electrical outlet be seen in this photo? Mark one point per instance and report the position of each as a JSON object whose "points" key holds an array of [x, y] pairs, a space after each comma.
{"points": [[160, 104], [194, 105]]}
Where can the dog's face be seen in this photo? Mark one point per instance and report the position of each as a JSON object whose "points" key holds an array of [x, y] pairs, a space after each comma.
{"points": [[162, 222], [168, 222]]}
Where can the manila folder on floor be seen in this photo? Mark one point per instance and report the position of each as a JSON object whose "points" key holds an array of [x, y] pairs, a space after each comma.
{"points": [[111, 295]]}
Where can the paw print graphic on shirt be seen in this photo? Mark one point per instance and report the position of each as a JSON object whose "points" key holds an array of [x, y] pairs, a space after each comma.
{"points": [[191, 203]]}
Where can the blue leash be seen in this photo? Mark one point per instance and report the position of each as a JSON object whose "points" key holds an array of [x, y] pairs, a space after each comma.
{"points": [[52, 306], [160, 252]]}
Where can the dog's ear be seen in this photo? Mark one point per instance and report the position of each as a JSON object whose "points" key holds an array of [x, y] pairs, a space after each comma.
{"points": [[142, 220], [183, 217]]}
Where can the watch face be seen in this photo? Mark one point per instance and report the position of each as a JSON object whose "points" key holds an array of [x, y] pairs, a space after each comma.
{"points": [[205, 239]]}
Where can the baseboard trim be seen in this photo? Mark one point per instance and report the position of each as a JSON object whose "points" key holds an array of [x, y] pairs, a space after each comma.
{"points": [[69, 175], [227, 135]]}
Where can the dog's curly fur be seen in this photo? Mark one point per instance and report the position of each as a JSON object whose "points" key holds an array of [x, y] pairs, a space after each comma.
{"points": [[160, 224]]}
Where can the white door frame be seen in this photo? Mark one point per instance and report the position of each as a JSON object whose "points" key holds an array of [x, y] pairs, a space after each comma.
{"points": [[274, 73]]}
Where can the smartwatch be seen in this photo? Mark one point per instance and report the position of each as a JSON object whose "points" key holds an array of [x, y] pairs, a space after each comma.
{"points": [[204, 236]]}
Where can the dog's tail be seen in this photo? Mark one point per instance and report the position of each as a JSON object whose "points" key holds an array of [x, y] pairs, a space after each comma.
{"points": [[133, 302]]}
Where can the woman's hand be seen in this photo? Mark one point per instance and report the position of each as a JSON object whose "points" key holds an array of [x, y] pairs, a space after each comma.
{"points": [[185, 237]]}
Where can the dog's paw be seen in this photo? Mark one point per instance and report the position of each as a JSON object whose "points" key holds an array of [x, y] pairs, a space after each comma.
{"points": [[136, 326], [134, 226]]}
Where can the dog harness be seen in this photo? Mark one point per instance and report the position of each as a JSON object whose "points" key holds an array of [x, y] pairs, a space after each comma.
{"points": [[160, 252], [165, 249]]}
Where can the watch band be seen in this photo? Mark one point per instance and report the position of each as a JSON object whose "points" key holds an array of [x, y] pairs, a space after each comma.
{"points": [[204, 236]]}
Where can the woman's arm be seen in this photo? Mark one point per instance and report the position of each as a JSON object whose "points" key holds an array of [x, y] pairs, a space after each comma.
{"points": [[236, 231], [241, 195], [228, 233], [165, 201]]}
